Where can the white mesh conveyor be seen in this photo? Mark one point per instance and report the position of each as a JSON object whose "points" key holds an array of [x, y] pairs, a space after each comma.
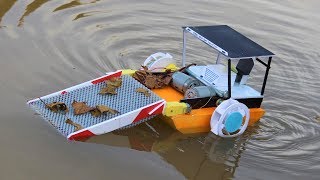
{"points": [[133, 107]]}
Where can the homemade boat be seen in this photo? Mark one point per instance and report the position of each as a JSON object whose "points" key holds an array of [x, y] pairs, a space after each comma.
{"points": [[198, 97]]}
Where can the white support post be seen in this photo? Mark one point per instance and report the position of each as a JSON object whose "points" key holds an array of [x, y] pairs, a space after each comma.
{"points": [[184, 49]]}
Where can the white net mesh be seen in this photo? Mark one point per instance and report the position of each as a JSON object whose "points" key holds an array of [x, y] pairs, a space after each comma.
{"points": [[126, 100]]}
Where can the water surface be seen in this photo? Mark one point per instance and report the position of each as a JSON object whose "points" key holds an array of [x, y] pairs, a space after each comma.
{"points": [[47, 46]]}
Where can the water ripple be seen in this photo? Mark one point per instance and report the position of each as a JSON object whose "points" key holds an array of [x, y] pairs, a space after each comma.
{"points": [[67, 42]]}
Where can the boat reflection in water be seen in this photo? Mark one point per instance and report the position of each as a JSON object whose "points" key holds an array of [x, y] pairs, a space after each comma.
{"points": [[196, 156]]}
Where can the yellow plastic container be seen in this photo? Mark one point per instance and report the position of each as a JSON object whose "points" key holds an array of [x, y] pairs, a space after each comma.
{"points": [[176, 108]]}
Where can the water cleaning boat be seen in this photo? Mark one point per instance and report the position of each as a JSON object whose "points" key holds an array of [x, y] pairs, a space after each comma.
{"points": [[196, 98]]}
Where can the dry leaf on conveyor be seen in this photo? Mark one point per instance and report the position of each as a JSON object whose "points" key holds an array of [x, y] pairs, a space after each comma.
{"points": [[144, 91], [77, 126], [57, 106], [112, 85], [81, 107], [95, 112], [100, 109], [108, 90], [103, 109], [115, 82]]}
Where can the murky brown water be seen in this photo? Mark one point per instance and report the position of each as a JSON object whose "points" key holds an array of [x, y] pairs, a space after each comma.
{"points": [[46, 46]]}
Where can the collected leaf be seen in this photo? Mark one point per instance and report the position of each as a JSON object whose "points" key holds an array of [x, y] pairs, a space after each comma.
{"points": [[95, 112], [140, 75], [115, 82], [57, 106], [103, 109], [112, 85], [167, 79], [100, 109], [153, 80], [144, 91], [145, 68], [81, 107], [77, 126], [108, 90]]}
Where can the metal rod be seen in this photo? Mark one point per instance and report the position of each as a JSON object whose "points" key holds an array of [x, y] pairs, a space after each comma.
{"points": [[229, 78], [262, 62], [184, 49], [266, 76], [218, 58]]}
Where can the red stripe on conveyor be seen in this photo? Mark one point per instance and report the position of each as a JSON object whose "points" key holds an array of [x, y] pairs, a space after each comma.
{"points": [[116, 74], [145, 112], [82, 135]]}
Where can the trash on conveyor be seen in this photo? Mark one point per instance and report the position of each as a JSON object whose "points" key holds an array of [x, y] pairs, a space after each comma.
{"points": [[77, 126], [153, 80], [112, 85], [101, 109], [81, 107], [56, 106], [144, 91]]}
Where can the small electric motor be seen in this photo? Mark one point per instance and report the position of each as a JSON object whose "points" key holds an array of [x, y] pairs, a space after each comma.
{"points": [[182, 82], [200, 92]]}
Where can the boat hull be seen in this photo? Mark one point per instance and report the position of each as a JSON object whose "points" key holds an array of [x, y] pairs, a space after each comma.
{"points": [[198, 120]]}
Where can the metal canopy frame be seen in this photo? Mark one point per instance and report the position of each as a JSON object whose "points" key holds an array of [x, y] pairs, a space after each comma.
{"points": [[225, 53]]}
